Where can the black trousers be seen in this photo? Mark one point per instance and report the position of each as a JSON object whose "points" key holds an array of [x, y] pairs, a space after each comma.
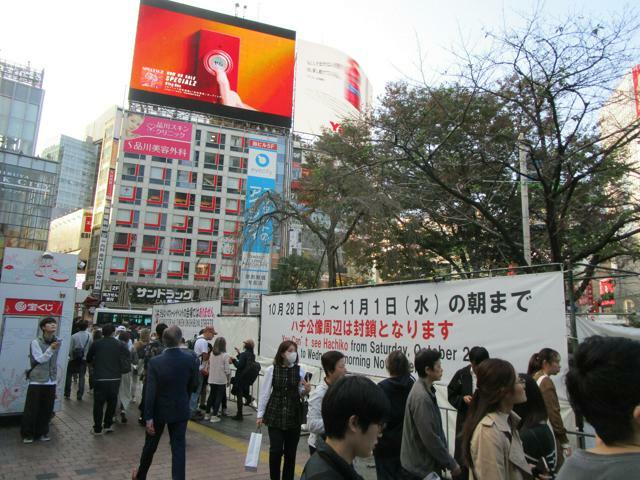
{"points": [[177, 433], [216, 398], [104, 392], [283, 443], [81, 369], [37, 410]]}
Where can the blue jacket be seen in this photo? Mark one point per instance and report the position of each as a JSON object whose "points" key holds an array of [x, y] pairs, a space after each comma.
{"points": [[171, 378]]}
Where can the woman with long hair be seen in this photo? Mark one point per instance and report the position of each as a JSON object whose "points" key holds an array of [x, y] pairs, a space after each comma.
{"points": [[491, 442], [535, 432], [219, 374], [542, 366], [280, 408]]}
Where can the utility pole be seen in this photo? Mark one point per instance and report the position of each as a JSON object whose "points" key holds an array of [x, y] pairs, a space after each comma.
{"points": [[524, 197]]}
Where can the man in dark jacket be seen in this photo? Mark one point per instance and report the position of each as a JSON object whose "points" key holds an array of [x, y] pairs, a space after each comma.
{"points": [[154, 348], [459, 393], [353, 411], [246, 373], [396, 388], [108, 357], [171, 379]]}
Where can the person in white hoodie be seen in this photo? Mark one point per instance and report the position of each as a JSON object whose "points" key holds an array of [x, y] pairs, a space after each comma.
{"points": [[334, 366], [219, 375]]}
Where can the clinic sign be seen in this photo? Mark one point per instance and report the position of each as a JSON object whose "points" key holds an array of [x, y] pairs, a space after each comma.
{"points": [[512, 317]]}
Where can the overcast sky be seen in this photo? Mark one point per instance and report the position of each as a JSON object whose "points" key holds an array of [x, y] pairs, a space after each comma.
{"points": [[86, 46]]}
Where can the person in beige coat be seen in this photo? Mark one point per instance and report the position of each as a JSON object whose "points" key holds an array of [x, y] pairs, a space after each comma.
{"points": [[493, 449]]}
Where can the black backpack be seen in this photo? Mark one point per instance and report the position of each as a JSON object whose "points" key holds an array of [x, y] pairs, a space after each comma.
{"points": [[77, 354]]}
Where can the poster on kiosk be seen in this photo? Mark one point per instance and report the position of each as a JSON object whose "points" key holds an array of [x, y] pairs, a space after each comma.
{"points": [[33, 285]]}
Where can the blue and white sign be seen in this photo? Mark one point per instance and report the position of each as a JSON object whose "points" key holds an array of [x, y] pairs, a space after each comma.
{"points": [[256, 249]]}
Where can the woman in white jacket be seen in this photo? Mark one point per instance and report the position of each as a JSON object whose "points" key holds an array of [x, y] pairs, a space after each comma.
{"points": [[219, 374]]}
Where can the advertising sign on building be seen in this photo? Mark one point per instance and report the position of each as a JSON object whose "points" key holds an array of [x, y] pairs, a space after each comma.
{"points": [[32, 267], [256, 257], [512, 317], [195, 59], [330, 87], [149, 294], [146, 135]]}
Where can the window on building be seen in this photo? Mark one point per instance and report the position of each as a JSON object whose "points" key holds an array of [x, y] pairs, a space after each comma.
{"points": [[121, 266], [213, 161], [234, 206], [232, 227], [205, 248], [130, 194], [210, 203], [160, 176], [150, 268], [238, 164], [212, 182], [235, 185], [155, 221], [177, 270], [215, 140], [204, 271], [237, 144], [127, 218], [133, 172], [186, 179], [158, 198], [152, 243], [124, 242], [180, 246], [208, 226], [182, 223]]}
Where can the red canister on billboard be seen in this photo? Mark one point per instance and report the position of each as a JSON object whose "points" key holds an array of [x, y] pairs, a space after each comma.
{"points": [[352, 91], [216, 51]]}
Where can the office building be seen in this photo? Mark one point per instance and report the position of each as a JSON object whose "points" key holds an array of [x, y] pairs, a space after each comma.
{"points": [[71, 233], [77, 163], [27, 195], [21, 97]]}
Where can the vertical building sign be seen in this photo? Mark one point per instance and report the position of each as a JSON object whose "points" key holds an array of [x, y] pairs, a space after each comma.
{"points": [[256, 256]]}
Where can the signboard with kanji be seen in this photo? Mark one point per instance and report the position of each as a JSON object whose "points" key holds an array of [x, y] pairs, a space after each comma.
{"points": [[512, 317], [149, 295]]}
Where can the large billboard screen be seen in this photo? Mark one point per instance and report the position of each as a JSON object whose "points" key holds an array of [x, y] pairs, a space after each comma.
{"points": [[195, 59], [330, 87]]}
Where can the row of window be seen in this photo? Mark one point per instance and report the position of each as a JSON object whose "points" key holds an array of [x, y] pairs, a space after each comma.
{"points": [[183, 200], [184, 178], [175, 269], [180, 223], [128, 242], [218, 140]]}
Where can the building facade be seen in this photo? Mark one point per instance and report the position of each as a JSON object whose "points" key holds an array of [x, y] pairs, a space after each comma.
{"points": [[77, 164], [167, 221], [71, 233], [27, 194], [21, 98]]}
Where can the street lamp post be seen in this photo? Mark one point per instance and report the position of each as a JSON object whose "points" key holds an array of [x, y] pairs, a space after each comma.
{"points": [[524, 198]]}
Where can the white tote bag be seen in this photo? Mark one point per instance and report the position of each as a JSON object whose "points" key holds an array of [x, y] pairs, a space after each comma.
{"points": [[253, 452]]}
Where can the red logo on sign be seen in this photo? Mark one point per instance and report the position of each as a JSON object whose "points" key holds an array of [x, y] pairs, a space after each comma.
{"points": [[88, 220], [27, 306]]}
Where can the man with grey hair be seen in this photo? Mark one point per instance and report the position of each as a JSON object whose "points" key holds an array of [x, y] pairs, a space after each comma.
{"points": [[172, 377]]}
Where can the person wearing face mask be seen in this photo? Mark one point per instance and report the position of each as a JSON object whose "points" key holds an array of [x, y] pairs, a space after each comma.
{"points": [[353, 411], [280, 408]]}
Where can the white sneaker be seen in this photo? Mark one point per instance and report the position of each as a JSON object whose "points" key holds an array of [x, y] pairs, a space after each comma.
{"points": [[224, 413], [215, 419], [45, 438], [207, 416]]}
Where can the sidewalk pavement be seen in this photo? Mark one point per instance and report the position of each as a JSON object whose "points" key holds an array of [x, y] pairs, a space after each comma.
{"points": [[213, 450]]}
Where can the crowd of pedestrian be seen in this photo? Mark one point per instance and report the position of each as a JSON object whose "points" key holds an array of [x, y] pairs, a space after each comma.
{"points": [[508, 424]]}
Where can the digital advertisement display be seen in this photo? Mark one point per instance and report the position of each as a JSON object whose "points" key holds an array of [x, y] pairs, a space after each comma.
{"points": [[195, 59]]}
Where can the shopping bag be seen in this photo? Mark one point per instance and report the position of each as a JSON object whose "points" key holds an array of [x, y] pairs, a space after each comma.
{"points": [[253, 452]]}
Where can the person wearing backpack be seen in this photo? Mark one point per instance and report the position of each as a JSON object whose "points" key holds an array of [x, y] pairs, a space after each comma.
{"points": [[247, 371], [80, 343]]}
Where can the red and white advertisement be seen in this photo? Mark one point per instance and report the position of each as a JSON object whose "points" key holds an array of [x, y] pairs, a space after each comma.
{"points": [[147, 135], [88, 222], [23, 306]]}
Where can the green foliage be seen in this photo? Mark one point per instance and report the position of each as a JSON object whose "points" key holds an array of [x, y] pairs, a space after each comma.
{"points": [[295, 272]]}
